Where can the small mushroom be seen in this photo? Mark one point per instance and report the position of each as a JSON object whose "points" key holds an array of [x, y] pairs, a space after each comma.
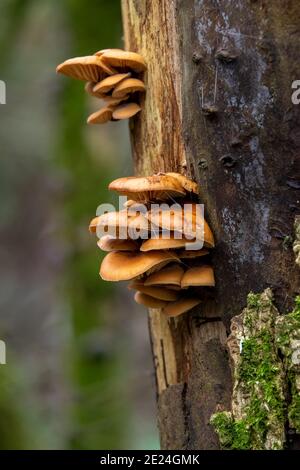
{"points": [[108, 243], [125, 222], [148, 188], [157, 292], [198, 276], [173, 309], [89, 88], [109, 83], [127, 86], [148, 301], [89, 68], [169, 276], [123, 265], [123, 60], [126, 111], [101, 117], [113, 102]]}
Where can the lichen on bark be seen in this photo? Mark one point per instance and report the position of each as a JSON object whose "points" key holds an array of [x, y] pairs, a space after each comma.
{"points": [[296, 245], [257, 418]]}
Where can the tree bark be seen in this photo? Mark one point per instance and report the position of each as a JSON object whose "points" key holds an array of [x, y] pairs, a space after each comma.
{"points": [[218, 108]]}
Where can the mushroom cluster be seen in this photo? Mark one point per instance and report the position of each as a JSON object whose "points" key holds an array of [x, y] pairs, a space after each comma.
{"points": [[113, 75], [157, 243]]}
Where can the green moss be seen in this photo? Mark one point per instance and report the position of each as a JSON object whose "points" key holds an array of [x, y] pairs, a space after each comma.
{"points": [[288, 341], [258, 384]]}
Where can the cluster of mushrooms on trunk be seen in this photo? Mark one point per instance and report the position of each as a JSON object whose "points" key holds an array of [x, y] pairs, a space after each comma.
{"points": [[112, 75], [151, 245], [156, 246]]}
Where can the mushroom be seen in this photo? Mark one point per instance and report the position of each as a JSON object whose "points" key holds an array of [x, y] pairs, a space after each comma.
{"points": [[94, 224], [127, 86], [126, 111], [157, 292], [198, 276], [162, 243], [89, 88], [101, 117], [124, 222], [125, 265], [168, 277], [148, 188], [187, 220], [188, 254], [148, 301], [109, 83], [108, 243], [173, 309], [113, 102], [189, 185], [123, 60], [89, 68]]}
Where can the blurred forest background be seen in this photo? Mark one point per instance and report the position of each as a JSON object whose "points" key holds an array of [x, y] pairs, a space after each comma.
{"points": [[79, 372]]}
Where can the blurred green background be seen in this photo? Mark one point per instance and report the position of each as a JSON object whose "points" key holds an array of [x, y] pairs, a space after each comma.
{"points": [[79, 372]]}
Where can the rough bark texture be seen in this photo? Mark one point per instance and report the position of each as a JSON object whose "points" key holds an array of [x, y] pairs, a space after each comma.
{"points": [[218, 108]]}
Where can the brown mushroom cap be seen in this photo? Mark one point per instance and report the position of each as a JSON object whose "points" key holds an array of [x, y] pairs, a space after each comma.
{"points": [[161, 243], [127, 86], [89, 88], [170, 276], [126, 111], [198, 276], [123, 60], [113, 102], [101, 117], [184, 220], [157, 292], [148, 188], [93, 225], [123, 265], [107, 243], [189, 254], [148, 301], [128, 223], [108, 83], [189, 185], [89, 68], [173, 309], [101, 52]]}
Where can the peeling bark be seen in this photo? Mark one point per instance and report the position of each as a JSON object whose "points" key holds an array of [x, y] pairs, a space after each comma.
{"points": [[218, 108]]}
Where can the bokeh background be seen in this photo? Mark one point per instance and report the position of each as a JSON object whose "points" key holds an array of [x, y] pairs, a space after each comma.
{"points": [[79, 372]]}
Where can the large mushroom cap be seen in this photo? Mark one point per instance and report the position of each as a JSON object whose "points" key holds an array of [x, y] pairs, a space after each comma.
{"points": [[108, 243], [148, 188], [173, 309], [157, 292], [188, 220], [198, 276], [169, 276], [189, 185], [123, 265], [101, 117], [123, 60], [148, 301], [126, 111], [108, 83], [89, 68], [127, 86]]}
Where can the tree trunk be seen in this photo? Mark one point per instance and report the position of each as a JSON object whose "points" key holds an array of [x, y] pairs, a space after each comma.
{"points": [[218, 108]]}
